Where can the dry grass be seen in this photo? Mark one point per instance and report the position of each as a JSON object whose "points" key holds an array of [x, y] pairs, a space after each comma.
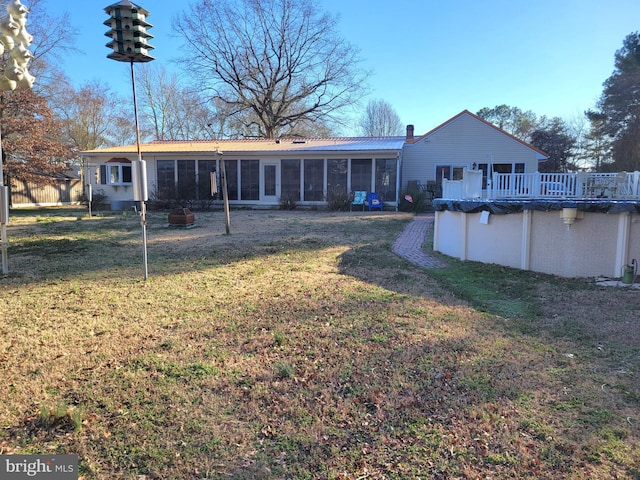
{"points": [[300, 347]]}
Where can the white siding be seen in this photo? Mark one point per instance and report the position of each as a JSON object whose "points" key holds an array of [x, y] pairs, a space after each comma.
{"points": [[461, 142]]}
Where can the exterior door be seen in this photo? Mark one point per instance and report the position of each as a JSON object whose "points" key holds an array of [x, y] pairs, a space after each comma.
{"points": [[270, 183]]}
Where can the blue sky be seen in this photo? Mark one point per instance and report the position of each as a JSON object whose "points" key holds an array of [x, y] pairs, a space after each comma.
{"points": [[430, 59]]}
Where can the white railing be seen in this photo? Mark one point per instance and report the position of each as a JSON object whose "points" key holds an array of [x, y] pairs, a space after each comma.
{"points": [[622, 185], [533, 185]]}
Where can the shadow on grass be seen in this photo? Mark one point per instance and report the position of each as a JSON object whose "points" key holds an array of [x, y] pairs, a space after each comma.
{"points": [[391, 373], [64, 245], [569, 334]]}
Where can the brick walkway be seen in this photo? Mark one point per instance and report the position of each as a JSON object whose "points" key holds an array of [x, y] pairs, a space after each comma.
{"points": [[409, 243]]}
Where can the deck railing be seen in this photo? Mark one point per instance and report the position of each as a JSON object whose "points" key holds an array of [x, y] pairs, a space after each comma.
{"points": [[619, 186]]}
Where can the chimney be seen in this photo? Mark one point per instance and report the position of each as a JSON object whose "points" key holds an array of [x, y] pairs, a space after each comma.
{"points": [[409, 133]]}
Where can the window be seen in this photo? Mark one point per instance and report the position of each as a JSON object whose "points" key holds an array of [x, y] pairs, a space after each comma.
{"points": [[250, 179], [361, 175], [186, 179], [269, 180], [166, 173], [488, 169], [442, 171], [313, 179], [231, 169], [205, 167], [386, 173], [336, 176], [502, 167], [116, 173], [291, 179], [449, 172]]}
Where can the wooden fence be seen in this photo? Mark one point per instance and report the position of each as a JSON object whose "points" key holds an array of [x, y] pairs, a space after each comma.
{"points": [[61, 192]]}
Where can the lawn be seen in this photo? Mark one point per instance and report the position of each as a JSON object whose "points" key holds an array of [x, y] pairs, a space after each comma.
{"points": [[300, 347]]}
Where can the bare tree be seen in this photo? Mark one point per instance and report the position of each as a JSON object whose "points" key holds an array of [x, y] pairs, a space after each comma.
{"points": [[518, 123], [53, 37], [32, 146], [88, 114], [170, 111], [578, 129], [380, 120], [123, 131], [278, 64]]}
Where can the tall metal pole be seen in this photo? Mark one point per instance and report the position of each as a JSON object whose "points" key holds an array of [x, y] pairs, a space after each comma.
{"points": [[143, 208], [129, 37]]}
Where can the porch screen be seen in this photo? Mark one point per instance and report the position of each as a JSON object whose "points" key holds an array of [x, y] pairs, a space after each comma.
{"points": [[313, 179], [231, 168], [270, 180], [250, 179], [386, 174], [166, 174], [336, 176], [205, 167], [186, 179], [361, 175], [291, 179]]}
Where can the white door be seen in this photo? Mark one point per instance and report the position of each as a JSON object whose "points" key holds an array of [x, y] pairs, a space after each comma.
{"points": [[270, 183]]}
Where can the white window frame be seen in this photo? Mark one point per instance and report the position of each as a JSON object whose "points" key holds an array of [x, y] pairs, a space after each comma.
{"points": [[118, 168]]}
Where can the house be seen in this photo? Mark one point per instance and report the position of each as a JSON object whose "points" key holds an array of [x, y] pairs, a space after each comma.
{"points": [[262, 172], [465, 141], [259, 171]]}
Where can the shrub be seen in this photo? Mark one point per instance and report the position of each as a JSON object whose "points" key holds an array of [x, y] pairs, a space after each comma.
{"points": [[98, 200], [420, 201], [289, 201], [164, 200], [182, 195], [338, 200]]}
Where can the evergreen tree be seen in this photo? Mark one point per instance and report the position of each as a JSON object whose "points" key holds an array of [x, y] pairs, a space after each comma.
{"points": [[554, 138], [620, 105]]}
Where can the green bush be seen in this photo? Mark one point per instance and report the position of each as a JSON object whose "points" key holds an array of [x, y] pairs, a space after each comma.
{"points": [[421, 202]]}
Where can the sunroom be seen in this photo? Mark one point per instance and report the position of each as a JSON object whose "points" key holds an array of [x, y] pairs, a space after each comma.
{"points": [[259, 173]]}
